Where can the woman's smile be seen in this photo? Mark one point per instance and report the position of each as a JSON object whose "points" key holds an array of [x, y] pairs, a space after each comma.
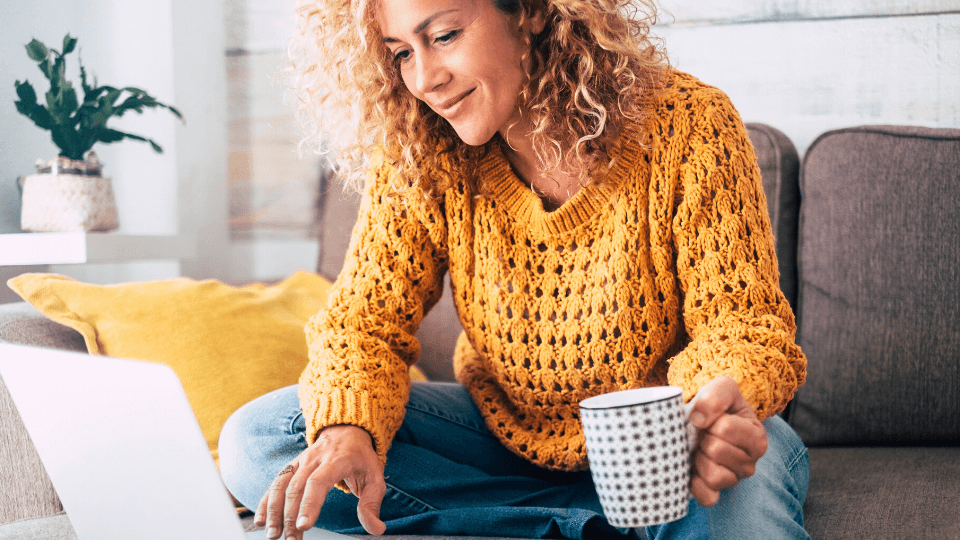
{"points": [[452, 108]]}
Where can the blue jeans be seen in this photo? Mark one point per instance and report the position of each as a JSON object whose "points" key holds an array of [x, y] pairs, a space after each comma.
{"points": [[447, 474]]}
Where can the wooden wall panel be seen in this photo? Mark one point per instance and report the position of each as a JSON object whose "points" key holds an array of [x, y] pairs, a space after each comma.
{"points": [[700, 11], [272, 190], [805, 77]]}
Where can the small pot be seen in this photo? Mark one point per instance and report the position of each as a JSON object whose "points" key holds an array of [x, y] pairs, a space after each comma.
{"points": [[68, 195]]}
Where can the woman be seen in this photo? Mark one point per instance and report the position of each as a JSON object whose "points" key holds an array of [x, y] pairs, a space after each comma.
{"points": [[602, 221]]}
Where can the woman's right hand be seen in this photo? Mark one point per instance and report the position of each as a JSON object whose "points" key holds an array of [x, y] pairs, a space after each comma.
{"points": [[292, 503]]}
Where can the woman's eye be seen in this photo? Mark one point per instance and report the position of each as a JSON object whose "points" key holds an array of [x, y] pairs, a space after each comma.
{"points": [[401, 56], [447, 38]]}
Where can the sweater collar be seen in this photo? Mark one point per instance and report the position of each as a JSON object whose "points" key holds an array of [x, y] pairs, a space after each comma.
{"points": [[519, 202]]}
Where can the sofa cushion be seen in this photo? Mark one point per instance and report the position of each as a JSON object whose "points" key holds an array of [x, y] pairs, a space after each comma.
{"points": [[780, 173], [22, 324], [879, 295], [883, 492]]}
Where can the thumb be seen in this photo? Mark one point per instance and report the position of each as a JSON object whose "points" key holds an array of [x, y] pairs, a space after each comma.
{"points": [[715, 398], [368, 507]]}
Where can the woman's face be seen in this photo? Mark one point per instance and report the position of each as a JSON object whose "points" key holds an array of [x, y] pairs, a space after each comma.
{"points": [[460, 57]]}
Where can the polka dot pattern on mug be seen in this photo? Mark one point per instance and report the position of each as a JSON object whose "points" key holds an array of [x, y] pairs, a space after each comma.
{"points": [[639, 461]]}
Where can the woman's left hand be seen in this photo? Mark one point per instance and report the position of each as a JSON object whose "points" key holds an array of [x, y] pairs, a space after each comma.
{"points": [[731, 440]]}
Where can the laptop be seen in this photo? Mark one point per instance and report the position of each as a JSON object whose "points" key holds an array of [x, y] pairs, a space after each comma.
{"points": [[122, 447]]}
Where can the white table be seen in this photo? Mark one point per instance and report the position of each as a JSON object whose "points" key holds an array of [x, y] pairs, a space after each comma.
{"points": [[22, 249]]}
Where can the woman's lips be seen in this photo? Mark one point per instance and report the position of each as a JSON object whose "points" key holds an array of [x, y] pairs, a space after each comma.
{"points": [[452, 107]]}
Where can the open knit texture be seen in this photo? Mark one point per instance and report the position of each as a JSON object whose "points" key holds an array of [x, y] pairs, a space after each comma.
{"points": [[662, 273]]}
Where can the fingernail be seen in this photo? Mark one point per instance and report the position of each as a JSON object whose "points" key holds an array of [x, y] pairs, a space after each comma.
{"points": [[301, 521], [696, 419], [273, 532]]}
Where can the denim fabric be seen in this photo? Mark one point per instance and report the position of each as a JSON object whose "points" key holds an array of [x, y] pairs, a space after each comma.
{"points": [[447, 474]]}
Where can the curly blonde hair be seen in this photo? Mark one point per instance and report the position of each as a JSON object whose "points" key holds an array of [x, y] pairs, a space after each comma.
{"points": [[589, 68]]}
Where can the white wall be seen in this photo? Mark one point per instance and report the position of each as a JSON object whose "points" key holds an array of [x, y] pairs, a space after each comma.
{"points": [[806, 66]]}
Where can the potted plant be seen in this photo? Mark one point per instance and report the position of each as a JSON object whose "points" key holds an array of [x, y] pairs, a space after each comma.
{"points": [[69, 193]]}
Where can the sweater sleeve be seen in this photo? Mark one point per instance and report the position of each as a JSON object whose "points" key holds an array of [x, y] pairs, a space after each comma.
{"points": [[362, 344], [737, 318]]}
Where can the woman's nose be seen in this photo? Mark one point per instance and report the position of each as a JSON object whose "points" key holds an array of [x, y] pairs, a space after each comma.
{"points": [[431, 73]]}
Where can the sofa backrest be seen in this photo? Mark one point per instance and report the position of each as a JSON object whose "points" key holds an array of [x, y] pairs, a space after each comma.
{"points": [[879, 294], [780, 172]]}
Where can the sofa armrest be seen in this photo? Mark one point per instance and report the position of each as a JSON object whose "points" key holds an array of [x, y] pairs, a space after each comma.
{"points": [[27, 491], [22, 324]]}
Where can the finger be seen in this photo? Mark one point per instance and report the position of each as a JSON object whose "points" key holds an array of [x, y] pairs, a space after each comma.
{"points": [[314, 495], [716, 398], [370, 489], [727, 455], [260, 518], [276, 495], [316, 488], [715, 476], [745, 434], [293, 498], [704, 495]]}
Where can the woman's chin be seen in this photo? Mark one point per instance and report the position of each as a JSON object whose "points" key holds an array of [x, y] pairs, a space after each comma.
{"points": [[473, 137]]}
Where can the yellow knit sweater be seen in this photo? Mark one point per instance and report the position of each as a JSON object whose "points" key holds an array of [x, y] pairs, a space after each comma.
{"points": [[666, 274]]}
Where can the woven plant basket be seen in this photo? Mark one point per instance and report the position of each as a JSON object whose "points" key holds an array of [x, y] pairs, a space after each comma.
{"points": [[68, 195]]}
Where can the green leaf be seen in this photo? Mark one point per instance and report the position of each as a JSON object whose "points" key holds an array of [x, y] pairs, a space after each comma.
{"points": [[41, 117], [108, 136], [132, 103], [112, 95], [175, 111], [91, 96], [104, 108], [37, 51], [99, 118], [69, 44], [88, 90], [47, 69], [69, 102], [65, 139], [54, 100], [60, 71], [25, 92]]}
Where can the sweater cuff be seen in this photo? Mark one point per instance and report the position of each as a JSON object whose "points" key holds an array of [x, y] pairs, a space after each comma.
{"points": [[350, 404]]}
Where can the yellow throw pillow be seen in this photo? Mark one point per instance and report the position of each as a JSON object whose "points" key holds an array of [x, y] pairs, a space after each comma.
{"points": [[228, 345]]}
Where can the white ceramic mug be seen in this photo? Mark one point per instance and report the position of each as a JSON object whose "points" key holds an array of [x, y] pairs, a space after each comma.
{"points": [[639, 444]]}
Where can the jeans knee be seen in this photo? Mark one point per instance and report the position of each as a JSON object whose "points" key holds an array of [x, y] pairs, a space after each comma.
{"points": [[258, 440], [784, 444], [230, 451]]}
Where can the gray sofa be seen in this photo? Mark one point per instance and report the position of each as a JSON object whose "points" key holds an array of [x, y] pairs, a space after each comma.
{"points": [[868, 238]]}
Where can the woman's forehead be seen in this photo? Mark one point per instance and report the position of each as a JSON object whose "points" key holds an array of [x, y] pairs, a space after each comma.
{"points": [[413, 16]]}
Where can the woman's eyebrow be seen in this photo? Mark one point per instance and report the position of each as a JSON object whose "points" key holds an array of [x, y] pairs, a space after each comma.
{"points": [[423, 25]]}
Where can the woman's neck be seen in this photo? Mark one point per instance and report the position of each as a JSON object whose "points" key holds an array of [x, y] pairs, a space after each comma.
{"points": [[554, 187]]}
